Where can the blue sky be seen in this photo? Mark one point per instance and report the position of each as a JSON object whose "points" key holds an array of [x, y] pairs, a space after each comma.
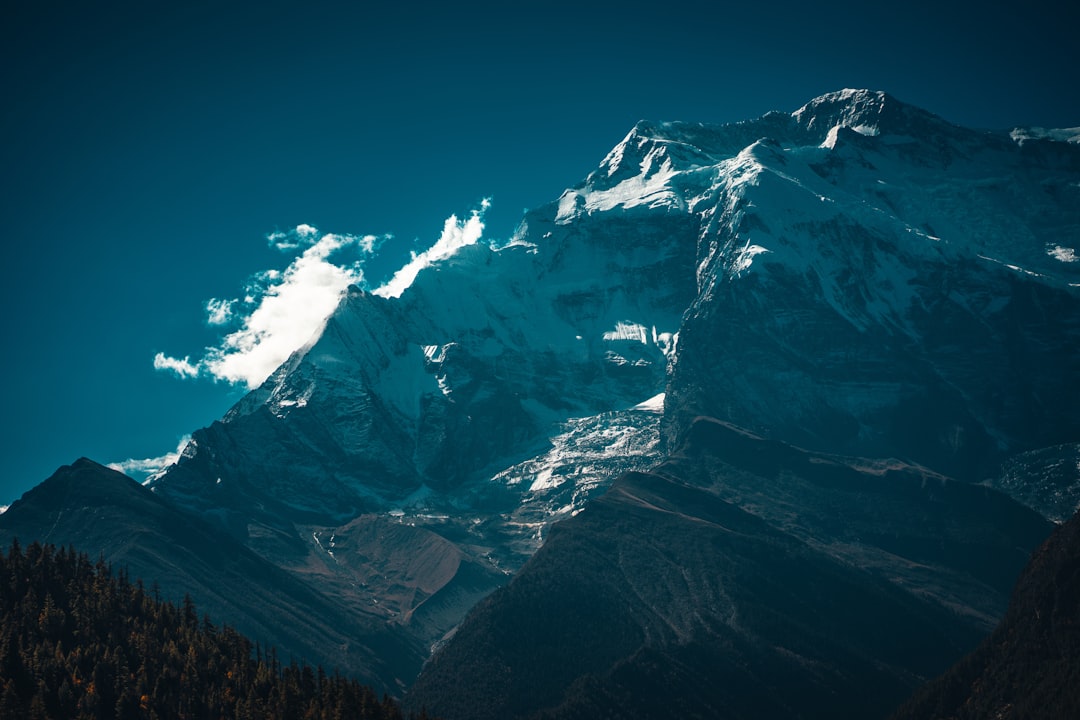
{"points": [[149, 149]]}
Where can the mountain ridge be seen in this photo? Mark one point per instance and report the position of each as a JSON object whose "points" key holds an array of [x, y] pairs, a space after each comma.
{"points": [[744, 603], [857, 279], [105, 514]]}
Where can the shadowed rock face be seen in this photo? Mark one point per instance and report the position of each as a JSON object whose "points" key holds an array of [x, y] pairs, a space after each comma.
{"points": [[742, 578], [975, 388], [1030, 666]]}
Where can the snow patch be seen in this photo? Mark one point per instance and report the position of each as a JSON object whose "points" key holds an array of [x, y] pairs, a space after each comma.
{"points": [[570, 204], [628, 330], [1064, 254], [745, 258], [1065, 135], [436, 354], [831, 138], [667, 342], [1015, 268], [655, 404]]}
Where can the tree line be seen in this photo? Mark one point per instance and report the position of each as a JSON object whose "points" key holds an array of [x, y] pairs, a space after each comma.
{"points": [[80, 641]]}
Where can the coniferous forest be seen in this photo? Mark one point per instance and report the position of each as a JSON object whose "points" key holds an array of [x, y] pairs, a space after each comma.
{"points": [[80, 641]]}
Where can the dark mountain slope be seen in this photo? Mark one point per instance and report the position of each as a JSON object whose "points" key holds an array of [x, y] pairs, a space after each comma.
{"points": [[1030, 666], [79, 642], [106, 514], [662, 598]]}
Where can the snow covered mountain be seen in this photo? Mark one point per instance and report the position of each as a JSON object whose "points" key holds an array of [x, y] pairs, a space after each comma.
{"points": [[843, 265], [878, 281], [858, 276]]}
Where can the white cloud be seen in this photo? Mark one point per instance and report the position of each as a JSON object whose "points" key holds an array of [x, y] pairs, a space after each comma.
{"points": [[455, 235], [281, 311], [219, 312], [183, 368], [368, 243], [302, 234], [141, 469], [290, 310]]}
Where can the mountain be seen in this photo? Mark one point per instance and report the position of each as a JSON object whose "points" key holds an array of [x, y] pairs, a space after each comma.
{"points": [[109, 516], [1030, 666], [856, 279], [79, 642], [936, 261], [741, 578]]}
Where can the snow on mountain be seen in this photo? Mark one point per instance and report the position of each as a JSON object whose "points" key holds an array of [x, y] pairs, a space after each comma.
{"points": [[855, 198], [1068, 135], [858, 276]]}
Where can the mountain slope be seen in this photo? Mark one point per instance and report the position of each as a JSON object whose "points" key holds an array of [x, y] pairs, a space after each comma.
{"points": [[1030, 666], [103, 513], [741, 578], [79, 642]]}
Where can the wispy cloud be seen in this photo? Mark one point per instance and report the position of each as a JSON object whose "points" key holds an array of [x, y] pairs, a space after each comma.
{"points": [[283, 310], [183, 367], [142, 469], [292, 308], [303, 234], [219, 312], [280, 309], [455, 235]]}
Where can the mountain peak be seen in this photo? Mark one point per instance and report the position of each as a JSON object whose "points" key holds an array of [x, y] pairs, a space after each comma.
{"points": [[72, 486], [869, 112]]}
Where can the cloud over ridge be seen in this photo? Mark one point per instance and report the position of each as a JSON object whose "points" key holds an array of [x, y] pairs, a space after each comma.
{"points": [[456, 234], [146, 468], [284, 310]]}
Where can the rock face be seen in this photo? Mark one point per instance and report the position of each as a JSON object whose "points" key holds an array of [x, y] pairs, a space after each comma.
{"points": [[876, 281], [742, 578], [856, 278], [1030, 666], [469, 370]]}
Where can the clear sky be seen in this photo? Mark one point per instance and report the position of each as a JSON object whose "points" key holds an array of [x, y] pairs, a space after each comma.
{"points": [[149, 148]]}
